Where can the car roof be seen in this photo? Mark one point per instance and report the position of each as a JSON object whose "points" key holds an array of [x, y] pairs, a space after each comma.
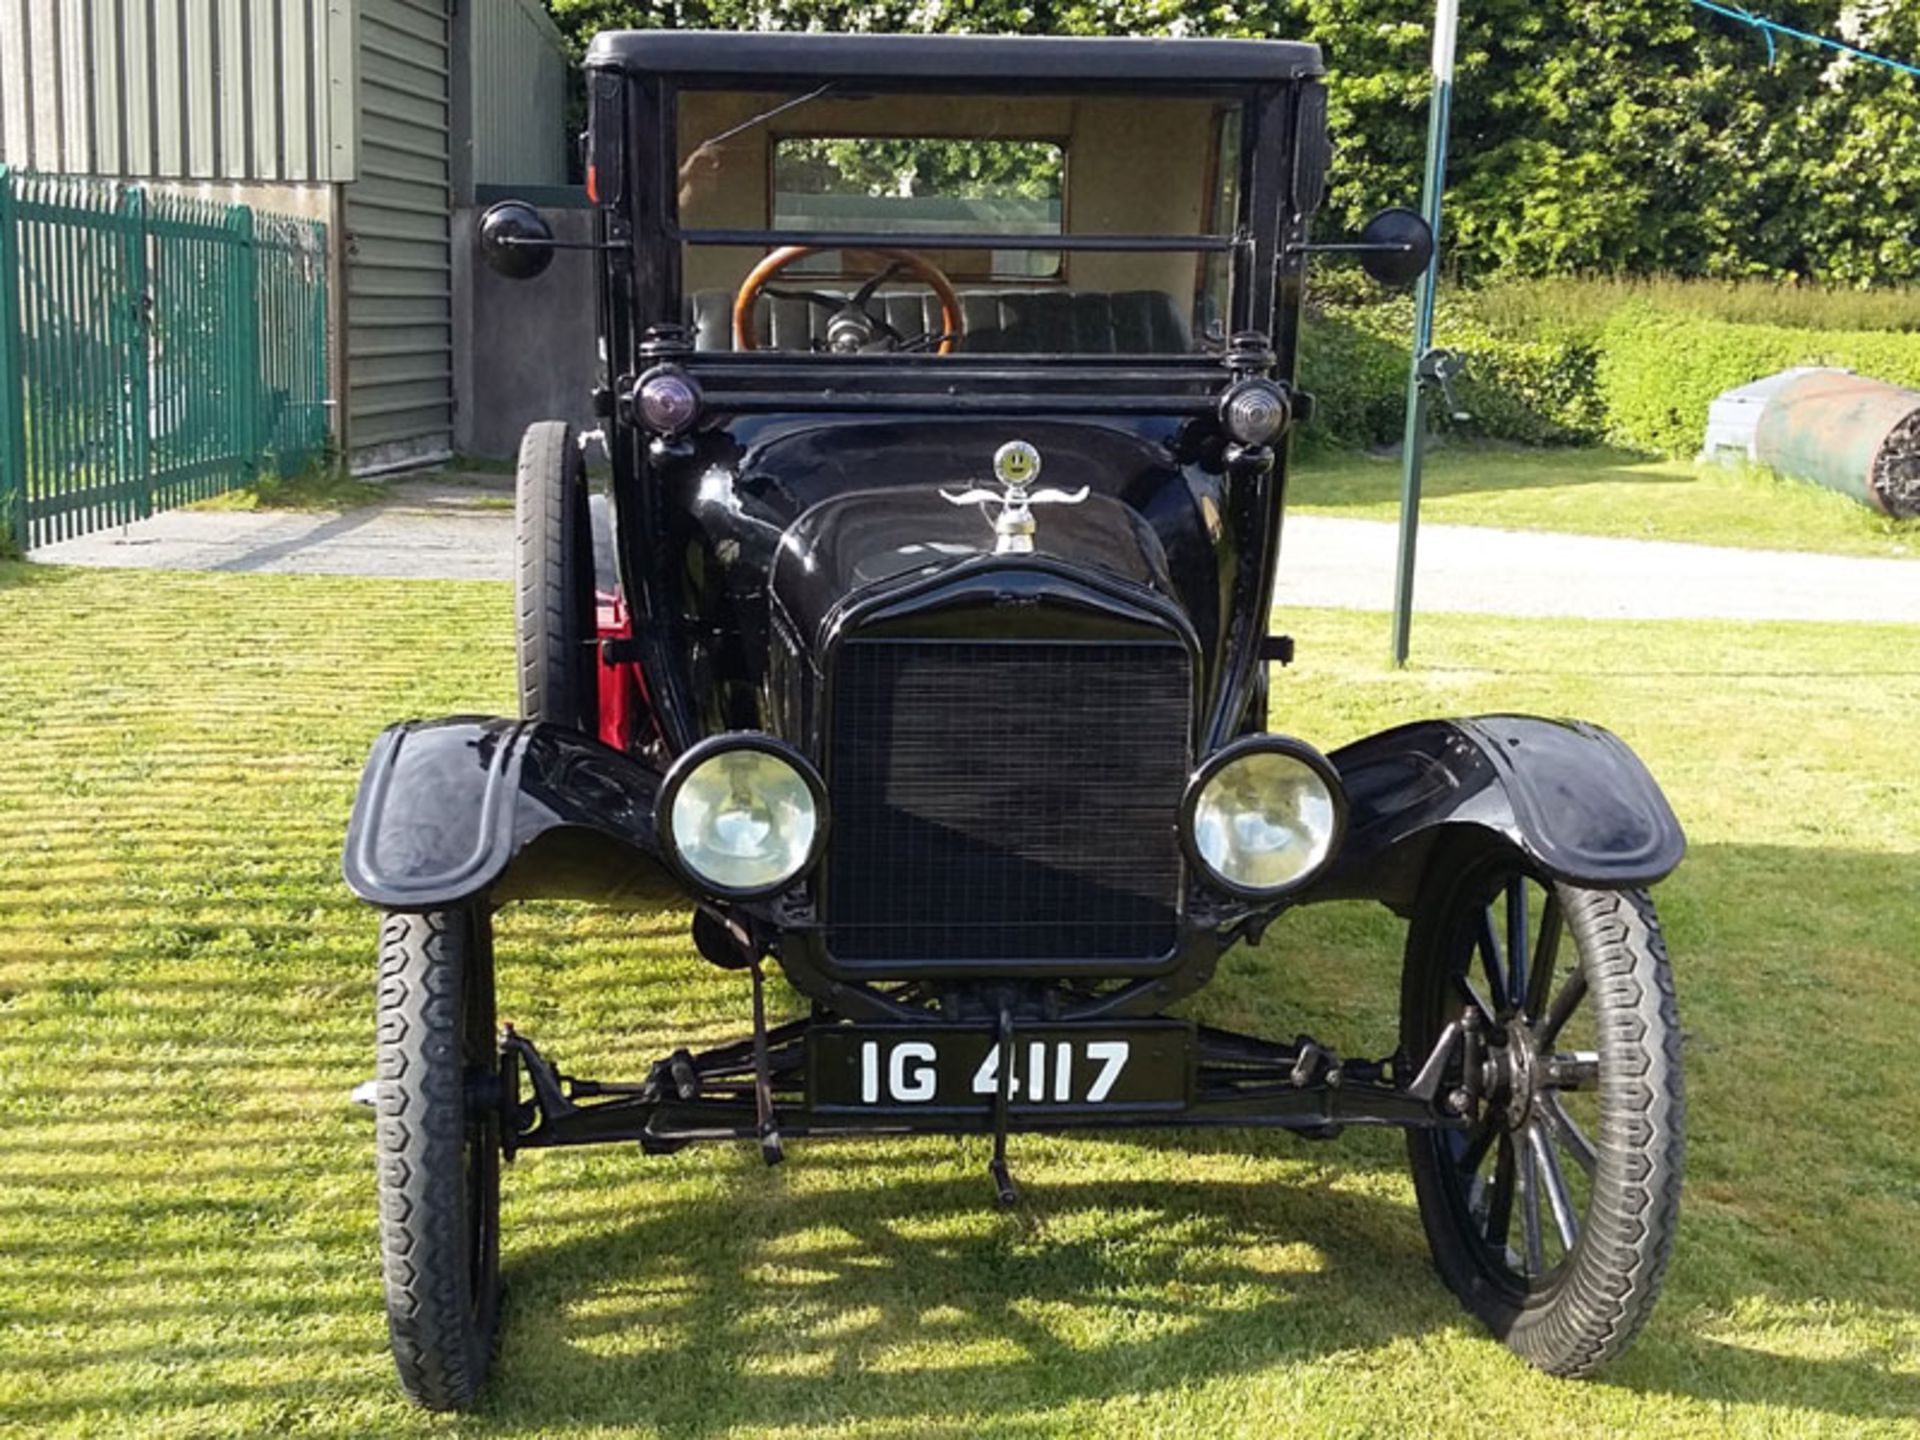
{"points": [[1020, 61]]}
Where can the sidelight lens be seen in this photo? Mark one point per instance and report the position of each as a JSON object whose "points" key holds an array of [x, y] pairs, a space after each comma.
{"points": [[1266, 820], [744, 820], [667, 400], [1255, 412]]}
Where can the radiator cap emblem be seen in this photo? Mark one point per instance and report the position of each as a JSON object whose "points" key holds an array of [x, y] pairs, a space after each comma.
{"points": [[1016, 465]]}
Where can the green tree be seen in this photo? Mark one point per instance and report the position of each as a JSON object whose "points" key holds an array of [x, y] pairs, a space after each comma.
{"points": [[1612, 136]]}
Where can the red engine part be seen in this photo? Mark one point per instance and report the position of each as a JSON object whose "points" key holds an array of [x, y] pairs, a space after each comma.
{"points": [[626, 715]]}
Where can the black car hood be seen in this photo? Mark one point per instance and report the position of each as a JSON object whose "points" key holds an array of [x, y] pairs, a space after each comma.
{"points": [[774, 526], [810, 513], [854, 547]]}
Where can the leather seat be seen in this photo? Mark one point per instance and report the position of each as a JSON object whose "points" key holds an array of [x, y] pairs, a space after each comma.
{"points": [[1004, 321]]}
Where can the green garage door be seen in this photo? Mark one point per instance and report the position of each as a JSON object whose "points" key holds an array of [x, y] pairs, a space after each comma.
{"points": [[399, 281]]}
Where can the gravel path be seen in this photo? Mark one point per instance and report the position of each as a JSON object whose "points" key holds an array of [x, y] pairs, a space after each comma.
{"points": [[462, 532]]}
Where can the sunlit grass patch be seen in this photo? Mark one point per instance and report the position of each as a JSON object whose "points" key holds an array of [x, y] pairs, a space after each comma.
{"points": [[186, 1213], [1605, 492]]}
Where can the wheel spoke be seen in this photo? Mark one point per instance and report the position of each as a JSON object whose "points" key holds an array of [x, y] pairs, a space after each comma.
{"points": [[1547, 1166], [813, 297], [1571, 994], [1545, 951], [865, 292], [1500, 1201], [1536, 1263], [1568, 1132], [1517, 957], [1474, 998], [1489, 945], [1479, 1140]]}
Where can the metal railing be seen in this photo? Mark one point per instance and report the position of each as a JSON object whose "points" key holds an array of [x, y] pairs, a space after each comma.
{"points": [[154, 350]]}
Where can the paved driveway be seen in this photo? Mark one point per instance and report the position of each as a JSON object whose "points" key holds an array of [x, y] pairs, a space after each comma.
{"points": [[463, 532]]}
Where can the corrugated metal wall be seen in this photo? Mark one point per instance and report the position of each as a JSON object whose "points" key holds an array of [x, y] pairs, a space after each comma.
{"points": [[178, 89], [399, 281], [517, 76]]}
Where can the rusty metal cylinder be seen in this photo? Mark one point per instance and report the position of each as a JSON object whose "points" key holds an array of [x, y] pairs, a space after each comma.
{"points": [[1858, 436]]}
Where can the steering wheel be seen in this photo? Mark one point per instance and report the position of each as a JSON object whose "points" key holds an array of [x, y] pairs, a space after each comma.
{"points": [[852, 327]]}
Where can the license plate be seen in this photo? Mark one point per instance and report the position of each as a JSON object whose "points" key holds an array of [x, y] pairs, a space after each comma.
{"points": [[955, 1069]]}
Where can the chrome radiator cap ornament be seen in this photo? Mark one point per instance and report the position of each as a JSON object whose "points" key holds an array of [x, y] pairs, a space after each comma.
{"points": [[1016, 465]]}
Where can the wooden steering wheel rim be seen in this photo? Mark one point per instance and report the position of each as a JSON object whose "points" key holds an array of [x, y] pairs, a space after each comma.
{"points": [[952, 321]]}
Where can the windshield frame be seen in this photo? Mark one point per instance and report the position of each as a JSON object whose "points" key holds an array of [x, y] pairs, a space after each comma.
{"points": [[1267, 122]]}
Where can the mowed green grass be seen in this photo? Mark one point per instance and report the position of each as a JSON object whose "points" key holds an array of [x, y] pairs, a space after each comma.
{"points": [[186, 1209], [1604, 492]]}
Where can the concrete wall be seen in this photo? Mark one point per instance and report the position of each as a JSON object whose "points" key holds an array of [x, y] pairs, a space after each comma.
{"points": [[529, 346]]}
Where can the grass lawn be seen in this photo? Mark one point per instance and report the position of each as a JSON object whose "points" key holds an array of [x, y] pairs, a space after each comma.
{"points": [[186, 1203], [1604, 492]]}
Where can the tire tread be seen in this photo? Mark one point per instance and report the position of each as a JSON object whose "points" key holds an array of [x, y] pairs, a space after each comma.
{"points": [[420, 1135]]}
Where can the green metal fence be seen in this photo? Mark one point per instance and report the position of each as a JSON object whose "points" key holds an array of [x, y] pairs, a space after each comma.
{"points": [[154, 350]]}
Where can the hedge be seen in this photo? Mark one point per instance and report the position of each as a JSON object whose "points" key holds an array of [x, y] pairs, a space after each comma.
{"points": [[1659, 372], [1644, 380], [1355, 359]]}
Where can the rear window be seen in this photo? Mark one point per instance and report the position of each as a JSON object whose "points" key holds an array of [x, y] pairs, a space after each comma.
{"points": [[1068, 224], [925, 185]]}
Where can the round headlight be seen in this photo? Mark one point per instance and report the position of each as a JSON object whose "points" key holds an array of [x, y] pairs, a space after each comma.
{"points": [[668, 401], [1255, 412], [1265, 815], [743, 815]]}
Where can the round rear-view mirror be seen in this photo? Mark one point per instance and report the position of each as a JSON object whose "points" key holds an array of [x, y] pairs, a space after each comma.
{"points": [[515, 240], [1399, 246]]}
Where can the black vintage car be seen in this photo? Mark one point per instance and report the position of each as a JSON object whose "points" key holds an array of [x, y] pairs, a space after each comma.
{"points": [[921, 646]]}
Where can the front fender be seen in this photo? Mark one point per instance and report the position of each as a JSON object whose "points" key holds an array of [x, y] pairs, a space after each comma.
{"points": [[452, 809], [1571, 797]]}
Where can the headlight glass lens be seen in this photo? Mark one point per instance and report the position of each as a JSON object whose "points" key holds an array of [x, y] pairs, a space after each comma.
{"points": [[1264, 821], [668, 401], [1256, 412], [744, 820]]}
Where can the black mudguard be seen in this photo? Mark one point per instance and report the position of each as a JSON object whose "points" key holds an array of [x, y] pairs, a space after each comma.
{"points": [[1569, 796], [453, 809]]}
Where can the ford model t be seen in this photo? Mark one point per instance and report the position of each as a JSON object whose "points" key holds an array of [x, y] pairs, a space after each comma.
{"points": [[920, 647]]}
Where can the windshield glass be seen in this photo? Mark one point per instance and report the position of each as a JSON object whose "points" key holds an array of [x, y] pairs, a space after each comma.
{"points": [[862, 223]]}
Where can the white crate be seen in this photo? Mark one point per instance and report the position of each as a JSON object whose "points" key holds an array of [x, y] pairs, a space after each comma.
{"points": [[1733, 419]]}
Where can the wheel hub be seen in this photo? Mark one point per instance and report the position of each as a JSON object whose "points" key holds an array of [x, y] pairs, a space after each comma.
{"points": [[1511, 1075]]}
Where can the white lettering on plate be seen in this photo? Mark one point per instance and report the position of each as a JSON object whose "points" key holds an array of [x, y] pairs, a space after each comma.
{"points": [[916, 1088]]}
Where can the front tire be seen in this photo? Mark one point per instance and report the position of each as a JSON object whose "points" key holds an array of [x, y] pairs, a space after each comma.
{"points": [[1552, 1216], [554, 627], [439, 1152]]}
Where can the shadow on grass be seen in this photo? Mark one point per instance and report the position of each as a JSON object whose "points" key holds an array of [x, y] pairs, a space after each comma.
{"points": [[828, 1306], [831, 1303], [19, 574]]}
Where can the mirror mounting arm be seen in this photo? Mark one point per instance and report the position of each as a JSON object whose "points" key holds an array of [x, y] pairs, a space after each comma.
{"points": [[1395, 247], [518, 242], [1352, 247]]}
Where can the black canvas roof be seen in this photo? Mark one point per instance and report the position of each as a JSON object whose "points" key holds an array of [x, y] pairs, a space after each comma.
{"points": [[1022, 61]]}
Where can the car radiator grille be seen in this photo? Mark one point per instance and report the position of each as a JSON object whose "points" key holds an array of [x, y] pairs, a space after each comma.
{"points": [[1005, 802]]}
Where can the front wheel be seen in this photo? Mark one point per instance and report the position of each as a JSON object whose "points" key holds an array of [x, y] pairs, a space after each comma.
{"points": [[553, 566], [1552, 1215], [438, 1136]]}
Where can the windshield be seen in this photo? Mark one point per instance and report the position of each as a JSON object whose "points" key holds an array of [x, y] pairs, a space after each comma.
{"points": [[820, 222]]}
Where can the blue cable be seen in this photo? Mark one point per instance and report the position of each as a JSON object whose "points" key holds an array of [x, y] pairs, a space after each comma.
{"points": [[1767, 28]]}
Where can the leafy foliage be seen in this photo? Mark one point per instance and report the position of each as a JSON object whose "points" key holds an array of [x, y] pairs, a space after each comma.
{"points": [[1622, 137], [1582, 305], [996, 169], [1529, 389], [1659, 372], [1638, 365]]}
